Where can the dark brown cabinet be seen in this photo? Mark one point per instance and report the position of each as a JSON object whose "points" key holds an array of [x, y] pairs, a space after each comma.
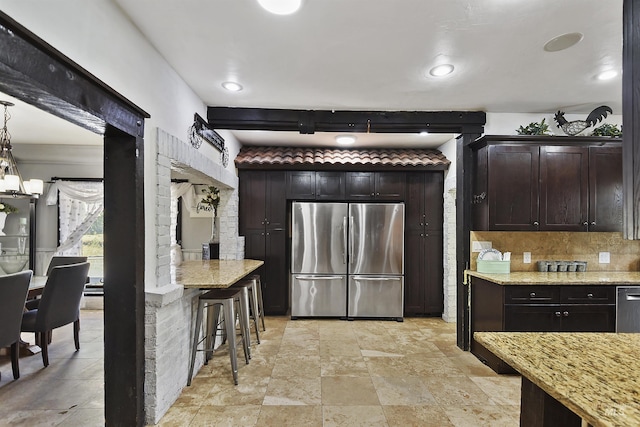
{"points": [[423, 290], [311, 185], [263, 218], [548, 187], [548, 308], [364, 186]]}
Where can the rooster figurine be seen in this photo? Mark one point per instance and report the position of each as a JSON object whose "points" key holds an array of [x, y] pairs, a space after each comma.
{"points": [[575, 127]]}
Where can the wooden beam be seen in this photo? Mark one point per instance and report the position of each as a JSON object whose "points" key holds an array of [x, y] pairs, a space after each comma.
{"points": [[124, 279], [310, 121], [464, 190], [630, 118], [36, 73]]}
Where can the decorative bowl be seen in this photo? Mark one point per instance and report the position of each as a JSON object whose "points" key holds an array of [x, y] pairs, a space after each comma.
{"points": [[12, 264]]}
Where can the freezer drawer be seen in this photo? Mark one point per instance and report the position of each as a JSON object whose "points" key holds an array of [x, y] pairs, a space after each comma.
{"points": [[628, 309], [318, 296], [376, 296]]}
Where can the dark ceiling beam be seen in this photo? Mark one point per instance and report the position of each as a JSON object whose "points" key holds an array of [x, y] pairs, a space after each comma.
{"points": [[311, 121], [33, 71]]}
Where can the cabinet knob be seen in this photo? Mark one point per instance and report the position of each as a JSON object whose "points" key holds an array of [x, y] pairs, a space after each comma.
{"points": [[565, 314], [377, 194], [421, 234], [558, 314], [426, 223], [589, 295], [593, 223], [586, 223], [268, 223], [536, 223], [421, 224], [268, 233], [532, 295], [373, 194]]}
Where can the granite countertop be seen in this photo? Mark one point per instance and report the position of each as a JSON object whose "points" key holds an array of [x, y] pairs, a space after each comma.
{"points": [[213, 273], [560, 278], [596, 375]]}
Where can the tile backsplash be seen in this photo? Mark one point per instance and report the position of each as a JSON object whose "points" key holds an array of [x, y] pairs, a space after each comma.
{"points": [[562, 246]]}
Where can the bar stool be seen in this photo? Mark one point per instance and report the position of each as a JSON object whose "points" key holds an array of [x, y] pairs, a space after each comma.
{"points": [[258, 295], [216, 298], [251, 306]]}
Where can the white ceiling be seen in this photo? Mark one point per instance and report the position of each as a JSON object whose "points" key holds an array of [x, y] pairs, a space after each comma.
{"points": [[375, 55]]}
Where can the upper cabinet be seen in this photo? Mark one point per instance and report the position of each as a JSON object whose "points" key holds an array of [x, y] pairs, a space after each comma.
{"points": [[315, 185], [551, 185], [389, 186]]}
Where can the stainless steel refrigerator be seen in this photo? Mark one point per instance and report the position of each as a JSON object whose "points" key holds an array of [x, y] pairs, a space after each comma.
{"points": [[347, 260]]}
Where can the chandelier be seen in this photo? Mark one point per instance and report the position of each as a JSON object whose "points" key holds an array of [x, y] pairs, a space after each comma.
{"points": [[11, 182]]}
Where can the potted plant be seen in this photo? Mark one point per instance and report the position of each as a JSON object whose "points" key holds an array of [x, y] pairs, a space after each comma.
{"points": [[607, 130], [534, 128]]}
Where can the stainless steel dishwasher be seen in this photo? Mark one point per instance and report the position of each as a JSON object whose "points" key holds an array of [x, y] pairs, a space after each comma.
{"points": [[628, 309]]}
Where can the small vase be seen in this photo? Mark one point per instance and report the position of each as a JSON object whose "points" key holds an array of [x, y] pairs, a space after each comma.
{"points": [[215, 230], [3, 218]]}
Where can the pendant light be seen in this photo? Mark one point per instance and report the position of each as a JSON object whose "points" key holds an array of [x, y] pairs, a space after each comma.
{"points": [[11, 182]]}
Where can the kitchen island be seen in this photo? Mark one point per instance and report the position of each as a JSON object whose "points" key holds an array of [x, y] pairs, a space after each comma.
{"points": [[542, 302], [566, 377]]}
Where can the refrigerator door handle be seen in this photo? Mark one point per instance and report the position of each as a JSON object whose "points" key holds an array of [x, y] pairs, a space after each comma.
{"points": [[351, 239], [319, 277], [345, 237], [377, 279]]}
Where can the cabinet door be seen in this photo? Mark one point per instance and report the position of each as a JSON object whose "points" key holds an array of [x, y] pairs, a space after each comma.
{"points": [[605, 189], [414, 209], [532, 318], [564, 181], [589, 318], [301, 185], [276, 201], [513, 174], [390, 185], [330, 185], [252, 203], [360, 185], [434, 273], [414, 277], [433, 200], [275, 283]]}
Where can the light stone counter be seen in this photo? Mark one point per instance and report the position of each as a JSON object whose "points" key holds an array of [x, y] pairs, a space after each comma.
{"points": [[209, 274], [595, 375], [561, 278]]}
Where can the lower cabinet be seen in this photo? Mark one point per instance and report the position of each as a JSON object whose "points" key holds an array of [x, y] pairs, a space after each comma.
{"points": [[269, 246], [548, 308]]}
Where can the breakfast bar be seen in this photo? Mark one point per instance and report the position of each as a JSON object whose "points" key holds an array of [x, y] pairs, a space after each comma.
{"points": [[567, 378], [213, 274]]}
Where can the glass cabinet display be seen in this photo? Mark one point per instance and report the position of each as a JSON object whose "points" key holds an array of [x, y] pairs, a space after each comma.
{"points": [[17, 234]]}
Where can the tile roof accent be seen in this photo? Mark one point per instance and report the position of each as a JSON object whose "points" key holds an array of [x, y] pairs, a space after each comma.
{"points": [[252, 156]]}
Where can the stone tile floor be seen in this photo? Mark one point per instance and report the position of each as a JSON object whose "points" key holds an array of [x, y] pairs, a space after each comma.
{"points": [[304, 373], [358, 373]]}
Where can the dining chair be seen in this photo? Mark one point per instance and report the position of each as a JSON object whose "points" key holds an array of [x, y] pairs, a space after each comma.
{"points": [[55, 262], [59, 305], [64, 260], [13, 293]]}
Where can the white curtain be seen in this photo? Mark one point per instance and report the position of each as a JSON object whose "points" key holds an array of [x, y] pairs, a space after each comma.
{"points": [[80, 203]]}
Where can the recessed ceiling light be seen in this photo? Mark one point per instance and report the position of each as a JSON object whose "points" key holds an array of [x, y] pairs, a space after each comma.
{"points": [[606, 75], [562, 42], [232, 86], [441, 70], [345, 139], [281, 7]]}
